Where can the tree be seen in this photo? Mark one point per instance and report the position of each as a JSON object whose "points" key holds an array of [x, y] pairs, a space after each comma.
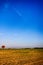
{"points": [[3, 46]]}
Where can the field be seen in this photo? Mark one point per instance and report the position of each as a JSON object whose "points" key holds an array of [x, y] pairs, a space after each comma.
{"points": [[21, 56]]}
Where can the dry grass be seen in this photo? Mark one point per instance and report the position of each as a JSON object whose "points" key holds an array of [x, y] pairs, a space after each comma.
{"points": [[21, 57]]}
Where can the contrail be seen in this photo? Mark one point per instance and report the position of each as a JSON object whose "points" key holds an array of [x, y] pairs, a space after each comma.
{"points": [[18, 12]]}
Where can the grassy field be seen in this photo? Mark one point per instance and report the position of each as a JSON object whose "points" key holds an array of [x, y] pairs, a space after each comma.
{"points": [[21, 56]]}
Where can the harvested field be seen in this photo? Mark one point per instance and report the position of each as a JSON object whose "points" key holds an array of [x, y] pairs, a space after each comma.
{"points": [[21, 56]]}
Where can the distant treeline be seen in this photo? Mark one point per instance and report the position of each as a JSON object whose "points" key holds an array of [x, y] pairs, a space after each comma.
{"points": [[24, 48], [38, 48]]}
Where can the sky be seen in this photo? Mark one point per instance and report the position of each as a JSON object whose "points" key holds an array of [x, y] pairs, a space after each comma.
{"points": [[21, 23]]}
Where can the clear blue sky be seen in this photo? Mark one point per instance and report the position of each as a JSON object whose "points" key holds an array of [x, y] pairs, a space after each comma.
{"points": [[21, 23]]}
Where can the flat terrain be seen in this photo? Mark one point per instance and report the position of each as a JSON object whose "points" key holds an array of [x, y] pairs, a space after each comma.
{"points": [[21, 56]]}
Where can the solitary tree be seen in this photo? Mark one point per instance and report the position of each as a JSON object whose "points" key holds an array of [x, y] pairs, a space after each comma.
{"points": [[3, 46]]}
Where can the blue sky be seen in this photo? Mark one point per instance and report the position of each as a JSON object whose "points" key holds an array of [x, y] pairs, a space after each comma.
{"points": [[21, 23]]}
